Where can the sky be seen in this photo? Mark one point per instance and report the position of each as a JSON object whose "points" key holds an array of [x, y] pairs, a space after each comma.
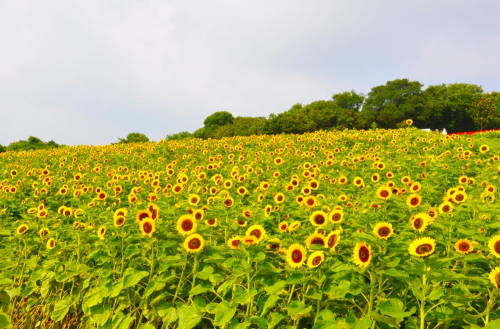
{"points": [[89, 72]]}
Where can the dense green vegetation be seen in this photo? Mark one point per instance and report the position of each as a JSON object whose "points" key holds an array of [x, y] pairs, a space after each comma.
{"points": [[455, 107], [32, 143]]}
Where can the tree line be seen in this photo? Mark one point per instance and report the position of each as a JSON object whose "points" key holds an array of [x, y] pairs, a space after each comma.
{"points": [[455, 107]]}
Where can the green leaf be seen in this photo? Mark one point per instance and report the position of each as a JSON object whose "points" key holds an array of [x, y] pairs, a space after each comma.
{"points": [[167, 311], [201, 288], [435, 294], [131, 277], [270, 302], [224, 313], [276, 287], [4, 300], [493, 324], [340, 290], [393, 307], [157, 283], [122, 321], [100, 313], [189, 317], [297, 309], [364, 324], [61, 308], [4, 320], [132, 250], [296, 278], [397, 273], [276, 318], [205, 273]]}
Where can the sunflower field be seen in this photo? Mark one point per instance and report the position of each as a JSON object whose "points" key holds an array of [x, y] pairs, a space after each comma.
{"points": [[344, 229]]}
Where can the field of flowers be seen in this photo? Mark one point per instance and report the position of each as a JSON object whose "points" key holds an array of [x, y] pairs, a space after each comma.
{"points": [[349, 229]]}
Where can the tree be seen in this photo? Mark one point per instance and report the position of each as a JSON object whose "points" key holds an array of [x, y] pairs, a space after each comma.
{"points": [[134, 138], [220, 118], [32, 143], [178, 136], [484, 113], [349, 100], [448, 106], [389, 104], [2, 148]]}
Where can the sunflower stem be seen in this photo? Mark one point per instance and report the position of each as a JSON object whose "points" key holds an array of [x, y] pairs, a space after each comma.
{"points": [[194, 273], [489, 305], [179, 285], [291, 293], [422, 302], [372, 293]]}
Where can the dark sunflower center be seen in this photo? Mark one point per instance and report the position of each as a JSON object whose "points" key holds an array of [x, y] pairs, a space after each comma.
{"points": [[194, 243], [283, 227], [418, 223], [336, 217], [211, 221], [464, 246], [459, 197], [364, 254], [424, 248], [383, 231], [497, 247], [52, 243], [332, 240], [414, 201], [384, 194], [318, 241], [297, 256], [310, 202], [187, 225], [319, 219], [197, 215], [235, 243], [280, 198], [446, 208], [316, 261], [147, 228]]}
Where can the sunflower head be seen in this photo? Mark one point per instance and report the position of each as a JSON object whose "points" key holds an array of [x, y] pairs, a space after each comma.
{"points": [[332, 240], [296, 255], [420, 221], [142, 215], [336, 216], [211, 222], [495, 277], [147, 227], [445, 207], [51, 243], [494, 245], [316, 239], [414, 200], [463, 246], [256, 231], [43, 232], [294, 226], [283, 226], [186, 225], [119, 221], [234, 242], [194, 243], [315, 259], [22, 229], [362, 254], [274, 244], [383, 230], [384, 192], [318, 218], [101, 232], [422, 247]]}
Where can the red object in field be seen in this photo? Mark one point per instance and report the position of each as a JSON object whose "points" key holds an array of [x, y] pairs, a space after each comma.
{"points": [[473, 132]]}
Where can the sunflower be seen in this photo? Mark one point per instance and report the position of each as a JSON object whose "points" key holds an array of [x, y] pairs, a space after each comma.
{"points": [[198, 214], [464, 246], [155, 211], [422, 247], [309, 201], [147, 227], [142, 215], [194, 243], [42, 213], [257, 231], [274, 244], [186, 225], [384, 192], [211, 222], [22, 229], [495, 277], [249, 240], [228, 202], [118, 221], [294, 226], [315, 238], [234, 242], [279, 198], [332, 240], [101, 232], [336, 216], [51, 243], [315, 259], [484, 148], [459, 197], [362, 254], [383, 230], [43, 232], [409, 122], [318, 218], [296, 255], [194, 199], [283, 226], [419, 222], [414, 200], [445, 207], [494, 245]]}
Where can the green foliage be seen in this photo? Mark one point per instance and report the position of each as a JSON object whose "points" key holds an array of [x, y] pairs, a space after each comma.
{"points": [[349, 100], [32, 143], [484, 113], [134, 138], [220, 118], [179, 136]]}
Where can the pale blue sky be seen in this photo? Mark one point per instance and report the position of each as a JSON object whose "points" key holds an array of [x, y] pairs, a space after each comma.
{"points": [[88, 72]]}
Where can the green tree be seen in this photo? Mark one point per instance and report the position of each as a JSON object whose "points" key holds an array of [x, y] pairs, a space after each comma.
{"points": [[178, 136], [2, 148], [32, 143], [448, 106], [220, 118], [484, 113], [349, 100], [134, 138], [389, 104]]}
